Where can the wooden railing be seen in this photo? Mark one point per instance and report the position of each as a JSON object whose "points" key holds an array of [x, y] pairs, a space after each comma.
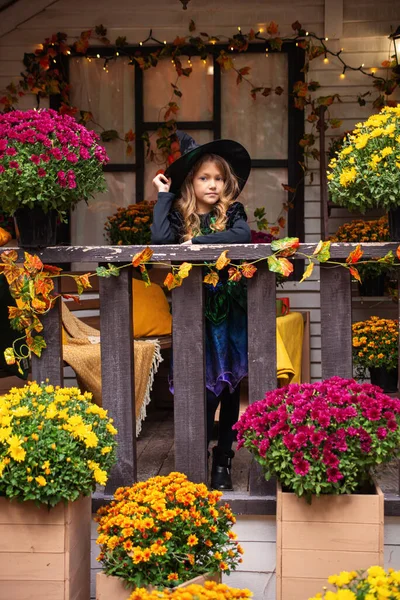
{"points": [[188, 343]]}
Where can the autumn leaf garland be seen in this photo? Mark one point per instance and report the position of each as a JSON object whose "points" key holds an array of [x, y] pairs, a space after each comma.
{"points": [[31, 282]]}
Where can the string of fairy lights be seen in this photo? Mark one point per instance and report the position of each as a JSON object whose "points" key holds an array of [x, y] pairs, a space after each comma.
{"points": [[214, 41]]}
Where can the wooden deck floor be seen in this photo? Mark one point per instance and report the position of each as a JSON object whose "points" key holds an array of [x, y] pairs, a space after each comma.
{"points": [[155, 450]]}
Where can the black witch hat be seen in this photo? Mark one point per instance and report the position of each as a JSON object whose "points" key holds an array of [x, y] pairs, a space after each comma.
{"points": [[233, 152]]}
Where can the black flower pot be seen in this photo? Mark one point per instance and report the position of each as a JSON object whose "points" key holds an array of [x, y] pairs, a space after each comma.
{"points": [[36, 228], [372, 286], [394, 224], [387, 380]]}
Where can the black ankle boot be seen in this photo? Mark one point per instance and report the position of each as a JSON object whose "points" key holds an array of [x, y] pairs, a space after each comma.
{"points": [[221, 470]]}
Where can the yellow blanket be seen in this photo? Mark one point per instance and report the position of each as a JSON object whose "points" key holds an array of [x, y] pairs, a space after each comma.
{"points": [[81, 350], [289, 342]]}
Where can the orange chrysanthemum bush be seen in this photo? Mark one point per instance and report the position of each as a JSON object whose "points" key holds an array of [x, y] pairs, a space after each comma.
{"points": [[165, 531], [130, 225], [210, 591], [375, 343]]}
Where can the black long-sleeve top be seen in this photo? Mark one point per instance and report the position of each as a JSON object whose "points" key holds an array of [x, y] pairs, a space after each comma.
{"points": [[168, 225]]}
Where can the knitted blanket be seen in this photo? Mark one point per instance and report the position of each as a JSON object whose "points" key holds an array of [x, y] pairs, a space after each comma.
{"points": [[81, 350]]}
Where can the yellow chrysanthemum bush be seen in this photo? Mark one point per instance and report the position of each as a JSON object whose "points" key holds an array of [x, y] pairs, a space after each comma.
{"points": [[165, 531], [210, 591], [375, 343], [374, 584], [55, 444], [366, 172]]}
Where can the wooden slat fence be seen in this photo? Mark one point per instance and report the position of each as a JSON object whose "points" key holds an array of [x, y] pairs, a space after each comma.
{"points": [[188, 343]]}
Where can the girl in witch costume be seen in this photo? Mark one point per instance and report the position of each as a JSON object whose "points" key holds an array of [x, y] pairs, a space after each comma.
{"points": [[197, 205]]}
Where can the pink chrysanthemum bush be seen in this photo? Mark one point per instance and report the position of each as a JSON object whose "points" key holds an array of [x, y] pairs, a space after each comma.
{"points": [[322, 438], [48, 160]]}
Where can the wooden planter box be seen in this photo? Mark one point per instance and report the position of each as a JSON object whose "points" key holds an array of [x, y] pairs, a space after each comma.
{"points": [[114, 588], [45, 554], [333, 534]]}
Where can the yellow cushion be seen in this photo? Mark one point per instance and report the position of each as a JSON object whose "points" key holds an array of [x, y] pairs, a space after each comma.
{"points": [[151, 314]]}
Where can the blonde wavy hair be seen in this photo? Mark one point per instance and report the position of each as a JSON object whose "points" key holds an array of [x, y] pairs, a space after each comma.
{"points": [[186, 203]]}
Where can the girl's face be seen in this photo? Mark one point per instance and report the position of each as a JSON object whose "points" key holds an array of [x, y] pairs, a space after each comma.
{"points": [[208, 184]]}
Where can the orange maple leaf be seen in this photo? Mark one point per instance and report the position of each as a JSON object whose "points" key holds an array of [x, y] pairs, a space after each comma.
{"points": [[184, 270], [222, 260], [172, 281], [43, 285], [51, 269], [142, 257], [282, 222], [212, 278], [355, 273], [9, 256], [234, 274], [32, 263], [398, 252], [84, 280], [248, 270], [355, 255], [272, 28]]}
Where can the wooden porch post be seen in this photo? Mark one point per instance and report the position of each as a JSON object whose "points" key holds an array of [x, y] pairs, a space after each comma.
{"points": [[336, 339], [261, 311], [117, 372], [189, 377]]}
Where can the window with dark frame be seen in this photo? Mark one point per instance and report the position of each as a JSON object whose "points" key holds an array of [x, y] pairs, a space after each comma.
{"points": [[214, 126]]}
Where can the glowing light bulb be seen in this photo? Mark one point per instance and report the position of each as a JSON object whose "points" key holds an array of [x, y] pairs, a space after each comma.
{"points": [[165, 41], [140, 43], [326, 39], [342, 75], [98, 55], [68, 51], [117, 54], [326, 60]]}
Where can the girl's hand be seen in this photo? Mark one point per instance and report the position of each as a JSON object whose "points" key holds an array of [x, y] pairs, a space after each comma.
{"points": [[161, 183], [187, 243]]}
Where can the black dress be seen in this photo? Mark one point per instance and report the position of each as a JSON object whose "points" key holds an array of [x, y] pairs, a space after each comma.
{"points": [[226, 303]]}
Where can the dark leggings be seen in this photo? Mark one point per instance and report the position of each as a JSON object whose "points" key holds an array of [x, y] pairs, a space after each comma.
{"points": [[228, 416]]}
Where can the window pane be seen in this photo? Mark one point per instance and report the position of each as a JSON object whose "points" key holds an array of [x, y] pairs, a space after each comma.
{"points": [[110, 97], [196, 103], [87, 221], [261, 125], [202, 136], [264, 189]]}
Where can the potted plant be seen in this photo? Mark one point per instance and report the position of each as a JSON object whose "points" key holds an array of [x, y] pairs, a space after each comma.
{"points": [[55, 446], [207, 591], [130, 225], [320, 441], [375, 347], [163, 532], [366, 172], [373, 274], [372, 584], [48, 163]]}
